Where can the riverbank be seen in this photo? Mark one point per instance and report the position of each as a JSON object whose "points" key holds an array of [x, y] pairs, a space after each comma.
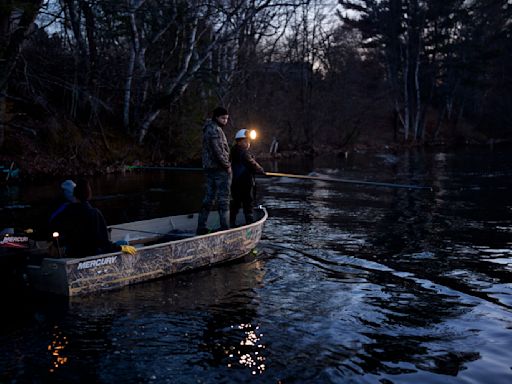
{"points": [[91, 156]]}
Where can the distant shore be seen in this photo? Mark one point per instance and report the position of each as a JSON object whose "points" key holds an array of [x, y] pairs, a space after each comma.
{"points": [[35, 163]]}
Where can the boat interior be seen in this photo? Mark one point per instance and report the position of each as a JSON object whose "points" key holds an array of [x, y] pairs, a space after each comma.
{"points": [[170, 228], [138, 233]]}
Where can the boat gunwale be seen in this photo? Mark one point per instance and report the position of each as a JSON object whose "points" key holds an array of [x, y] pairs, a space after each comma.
{"points": [[74, 260]]}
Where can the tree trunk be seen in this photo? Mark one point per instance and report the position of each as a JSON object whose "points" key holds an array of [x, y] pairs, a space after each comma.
{"points": [[417, 117], [128, 90], [91, 43], [178, 85], [146, 123], [3, 116], [135, 47], [10, 48], [407, 106], [439, 123]]}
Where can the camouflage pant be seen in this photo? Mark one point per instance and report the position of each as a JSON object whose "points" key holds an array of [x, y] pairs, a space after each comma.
{"points": [[218, 183]]}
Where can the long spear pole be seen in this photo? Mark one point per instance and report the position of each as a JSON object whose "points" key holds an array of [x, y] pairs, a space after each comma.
{"points": [[348, 181], [304, 177]]}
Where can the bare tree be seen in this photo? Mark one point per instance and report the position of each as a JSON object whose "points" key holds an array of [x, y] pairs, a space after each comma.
{"points": [[206, 30], [16, 21]]}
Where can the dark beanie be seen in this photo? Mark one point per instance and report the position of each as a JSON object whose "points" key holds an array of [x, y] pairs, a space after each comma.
{"points": [[219, 111], [83, 190]]}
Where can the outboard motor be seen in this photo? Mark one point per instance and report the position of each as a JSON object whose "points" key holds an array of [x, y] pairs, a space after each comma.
{"points": [[9, 238]]}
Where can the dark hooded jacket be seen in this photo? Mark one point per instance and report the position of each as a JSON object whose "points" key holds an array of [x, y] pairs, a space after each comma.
{"points": [[244, 167], [83, 231]]}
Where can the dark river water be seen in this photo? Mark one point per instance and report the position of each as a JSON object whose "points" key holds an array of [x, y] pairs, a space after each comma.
{"points": [[350, 284]]}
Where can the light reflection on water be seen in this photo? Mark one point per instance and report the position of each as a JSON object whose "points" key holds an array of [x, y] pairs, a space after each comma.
{"points": [[57, 349], [350, 284]]}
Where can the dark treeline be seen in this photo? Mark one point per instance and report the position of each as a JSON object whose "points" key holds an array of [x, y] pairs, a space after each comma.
{"points": [[115, 80]]}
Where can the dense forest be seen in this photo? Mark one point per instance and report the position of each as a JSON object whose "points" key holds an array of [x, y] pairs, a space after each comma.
{"points": [[100, 83]]}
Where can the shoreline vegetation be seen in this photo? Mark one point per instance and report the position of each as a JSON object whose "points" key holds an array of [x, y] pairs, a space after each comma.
{"points": [[90, 87], [37, 160]]}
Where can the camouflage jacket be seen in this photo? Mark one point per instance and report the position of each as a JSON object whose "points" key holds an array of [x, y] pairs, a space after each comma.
{"points": [[215, 147]]}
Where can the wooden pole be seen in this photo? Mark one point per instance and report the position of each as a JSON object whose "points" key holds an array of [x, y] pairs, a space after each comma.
{"points": [[303, 177], [348, 181]]}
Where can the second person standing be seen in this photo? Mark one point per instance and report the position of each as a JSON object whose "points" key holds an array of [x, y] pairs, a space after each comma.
{"points": [[217, 169]]}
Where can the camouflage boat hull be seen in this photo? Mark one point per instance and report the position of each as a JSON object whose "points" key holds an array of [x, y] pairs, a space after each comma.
{"points": [[71, 276]]}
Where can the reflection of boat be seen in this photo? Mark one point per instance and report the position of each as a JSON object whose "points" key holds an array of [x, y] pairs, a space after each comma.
{"points": [[166, 246]]}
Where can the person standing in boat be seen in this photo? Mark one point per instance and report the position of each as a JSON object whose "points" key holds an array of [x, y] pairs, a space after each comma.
{"points": [[243, 186], [82, 228], [215, 156]]}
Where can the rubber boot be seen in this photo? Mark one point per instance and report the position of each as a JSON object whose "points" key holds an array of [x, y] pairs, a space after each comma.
{"points": [[224, 218], [232, 219], [249, 218], [201, 221]]}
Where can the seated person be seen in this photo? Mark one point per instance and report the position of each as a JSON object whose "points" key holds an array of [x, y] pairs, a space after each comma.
{"points": [[82, 228]]}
